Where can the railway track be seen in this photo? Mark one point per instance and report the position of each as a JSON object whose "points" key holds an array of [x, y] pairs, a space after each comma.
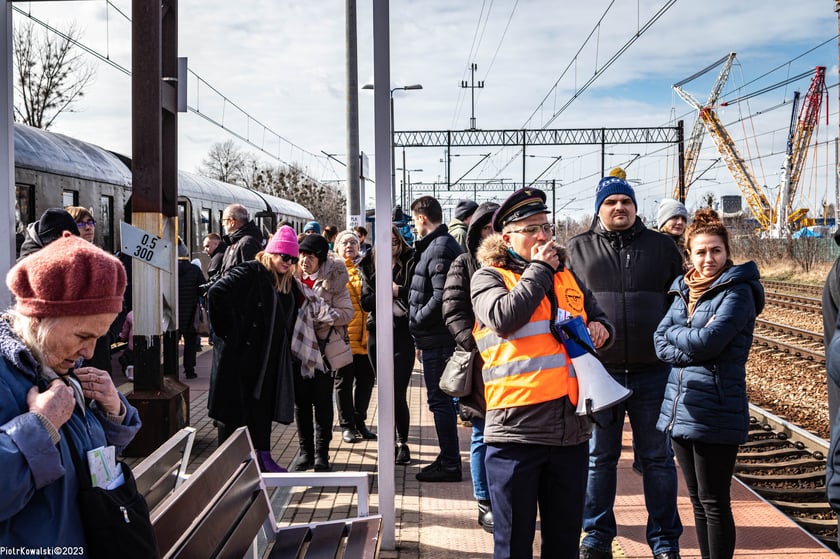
{"points": [[787, 339], [795, 302], [789, 287], [786, 466]]}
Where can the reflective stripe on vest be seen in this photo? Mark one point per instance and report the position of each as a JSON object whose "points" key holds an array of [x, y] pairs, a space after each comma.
{"points": [[530, 366]]}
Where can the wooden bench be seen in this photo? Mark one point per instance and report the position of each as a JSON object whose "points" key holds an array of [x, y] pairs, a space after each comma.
{"points": [[223, 506], [160, 473]]}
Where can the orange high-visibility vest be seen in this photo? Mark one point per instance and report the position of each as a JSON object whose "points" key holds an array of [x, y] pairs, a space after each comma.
{"points": [[530, 365]]}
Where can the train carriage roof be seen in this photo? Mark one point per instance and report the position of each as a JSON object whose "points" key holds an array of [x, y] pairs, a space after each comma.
{"points": [[58, 154], [192, 185]]}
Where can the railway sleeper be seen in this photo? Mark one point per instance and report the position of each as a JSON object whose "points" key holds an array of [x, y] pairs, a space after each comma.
{"points": [[806, 463], [769, 455], [817, 478], [802, 508], [814, 495]]}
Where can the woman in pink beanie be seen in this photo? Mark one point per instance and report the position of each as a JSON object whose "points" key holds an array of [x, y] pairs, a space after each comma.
{"points": [[253, 309], [66, 296]]}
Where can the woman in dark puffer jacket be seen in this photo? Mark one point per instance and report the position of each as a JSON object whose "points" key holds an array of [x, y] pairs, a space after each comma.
{"points": [[706, 337], [459, 318]]}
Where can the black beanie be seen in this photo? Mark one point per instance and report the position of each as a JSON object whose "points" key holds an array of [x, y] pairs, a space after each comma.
{"points": [[315, 244], [53, 222]]}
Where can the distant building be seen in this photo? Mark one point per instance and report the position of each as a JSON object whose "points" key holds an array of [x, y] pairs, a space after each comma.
{"points": [[730, 204]]}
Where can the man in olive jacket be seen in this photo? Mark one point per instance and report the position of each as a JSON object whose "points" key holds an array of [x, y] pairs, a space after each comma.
{"points": [[629, 268]]}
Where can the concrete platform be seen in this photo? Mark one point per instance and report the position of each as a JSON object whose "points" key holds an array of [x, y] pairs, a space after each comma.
{"points": [[439, 520]]}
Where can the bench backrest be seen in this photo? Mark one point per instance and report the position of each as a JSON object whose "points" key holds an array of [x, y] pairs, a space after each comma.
{"points": [[160, 473], [219, 510]]}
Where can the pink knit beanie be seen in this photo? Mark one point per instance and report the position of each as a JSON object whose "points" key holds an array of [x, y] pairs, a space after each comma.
{"points": [[68, 277], [283, 242]]}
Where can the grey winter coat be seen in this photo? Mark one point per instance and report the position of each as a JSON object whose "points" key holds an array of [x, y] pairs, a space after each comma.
{"points": [[549, 423], [706, 395]]}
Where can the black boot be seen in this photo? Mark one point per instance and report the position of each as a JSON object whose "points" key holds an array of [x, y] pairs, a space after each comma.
{"points": [[322, 461], [302, 462], [364, 431], [485, 516]]}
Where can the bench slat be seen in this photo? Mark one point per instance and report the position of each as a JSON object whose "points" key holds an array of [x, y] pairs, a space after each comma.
{"points": [[363, 538], [228, 511], [326, 540], [174, 518], [160, 473], [243, 536], [289, 542]]}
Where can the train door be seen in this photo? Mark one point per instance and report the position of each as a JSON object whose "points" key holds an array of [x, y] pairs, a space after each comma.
{"points": [[185, 229], [105, 222], [267, 222], [24, 212]]}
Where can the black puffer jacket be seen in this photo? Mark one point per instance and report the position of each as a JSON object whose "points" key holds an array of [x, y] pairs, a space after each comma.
{"points": [[458, 310], [433, 255], [242, 246], [629, 272]]}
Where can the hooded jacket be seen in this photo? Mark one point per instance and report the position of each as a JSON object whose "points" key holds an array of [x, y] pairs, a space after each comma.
{"points": [[433, 255], [706, 395], [457, 306], [554, 422], [331, 286], [242, 246], [629, 272]]}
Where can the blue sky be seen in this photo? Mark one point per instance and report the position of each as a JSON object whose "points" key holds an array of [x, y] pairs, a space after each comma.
{"points": [[283, 62]]}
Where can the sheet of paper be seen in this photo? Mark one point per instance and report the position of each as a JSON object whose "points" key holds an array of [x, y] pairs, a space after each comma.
{"points": [[103, 466]]}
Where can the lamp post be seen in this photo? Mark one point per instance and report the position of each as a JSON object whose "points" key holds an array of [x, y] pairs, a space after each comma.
{"points": [[393, 164], [407, 185]]}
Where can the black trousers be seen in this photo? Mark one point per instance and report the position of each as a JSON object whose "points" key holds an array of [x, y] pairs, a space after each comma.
{"points": [[404, 357], [313, 397], [353, 389], [707, 469]]}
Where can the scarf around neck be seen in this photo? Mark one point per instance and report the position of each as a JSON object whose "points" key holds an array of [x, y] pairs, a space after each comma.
{"points": [[698, 285]]}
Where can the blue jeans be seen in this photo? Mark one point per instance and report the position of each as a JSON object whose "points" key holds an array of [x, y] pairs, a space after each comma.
{"points": [[477, 452], [440, 404], [653, 452]]}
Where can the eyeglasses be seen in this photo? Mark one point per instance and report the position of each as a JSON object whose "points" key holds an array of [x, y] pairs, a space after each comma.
{"points": [[546, 228], [348, 242], [83, 224], [287, 258]]}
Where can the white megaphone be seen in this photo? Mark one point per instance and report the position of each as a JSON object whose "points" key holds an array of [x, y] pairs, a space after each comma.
{"points": [[597, 390]]}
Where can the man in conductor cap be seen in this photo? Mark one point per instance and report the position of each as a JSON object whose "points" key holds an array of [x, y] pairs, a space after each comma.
{"points": [[629, 268], [536, 444]]}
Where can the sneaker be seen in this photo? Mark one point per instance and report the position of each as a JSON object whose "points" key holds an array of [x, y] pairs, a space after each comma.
{"points": [[403, 456], [440, 474], [434, 465]]}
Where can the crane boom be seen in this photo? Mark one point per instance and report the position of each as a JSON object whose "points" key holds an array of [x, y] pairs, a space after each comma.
{"points": [[695, 140], [738, 168], [797, 149]]}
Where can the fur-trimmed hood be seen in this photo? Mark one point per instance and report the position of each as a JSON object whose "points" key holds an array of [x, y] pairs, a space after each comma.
{"points": [[494, 252]]}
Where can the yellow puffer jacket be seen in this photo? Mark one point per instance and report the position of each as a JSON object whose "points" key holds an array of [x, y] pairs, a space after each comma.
{"points": [[356, 330]]}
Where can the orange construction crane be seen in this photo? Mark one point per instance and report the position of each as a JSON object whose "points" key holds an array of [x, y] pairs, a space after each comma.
{"points": [[799, 140], [695, 140], [739, 169]]}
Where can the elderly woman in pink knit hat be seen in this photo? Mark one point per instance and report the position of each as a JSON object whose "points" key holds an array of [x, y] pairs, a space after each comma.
{"points": [[66, 296], [253, 311]]}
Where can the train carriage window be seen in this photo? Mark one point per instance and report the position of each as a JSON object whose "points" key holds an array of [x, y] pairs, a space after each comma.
{"points": [[105, 222], [69, 198], [184, 225], [24, 212], [206, 226]]}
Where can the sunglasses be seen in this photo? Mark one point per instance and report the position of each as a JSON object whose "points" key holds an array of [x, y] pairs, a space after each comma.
{"points": [[287, 258], [83, 224]]}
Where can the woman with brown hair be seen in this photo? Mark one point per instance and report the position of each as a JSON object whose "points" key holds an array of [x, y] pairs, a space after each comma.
{"points": [[706, 337]]}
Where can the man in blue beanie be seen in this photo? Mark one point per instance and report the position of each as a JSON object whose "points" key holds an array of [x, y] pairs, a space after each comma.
{"points": [[629, 269], [312, 228]]}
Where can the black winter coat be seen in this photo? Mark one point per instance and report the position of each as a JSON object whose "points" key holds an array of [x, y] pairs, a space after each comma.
{"points": [[190, 278], [242, 246], [242, 313], [629, 272], [433, 255], [216, 258]]}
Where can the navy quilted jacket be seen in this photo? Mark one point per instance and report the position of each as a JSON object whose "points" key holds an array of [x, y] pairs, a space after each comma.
{"points": [[706, 396]]}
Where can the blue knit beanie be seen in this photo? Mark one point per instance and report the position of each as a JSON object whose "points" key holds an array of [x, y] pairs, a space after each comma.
{"points": [[312, 226], [608, 186]]}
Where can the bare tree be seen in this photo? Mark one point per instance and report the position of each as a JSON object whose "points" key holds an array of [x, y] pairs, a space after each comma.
{"points": [[51, 74], [226, 162]]}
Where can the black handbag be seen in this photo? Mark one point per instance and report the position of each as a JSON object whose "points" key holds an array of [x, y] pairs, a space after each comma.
{"points": [[456, 380], [116, 521]]}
